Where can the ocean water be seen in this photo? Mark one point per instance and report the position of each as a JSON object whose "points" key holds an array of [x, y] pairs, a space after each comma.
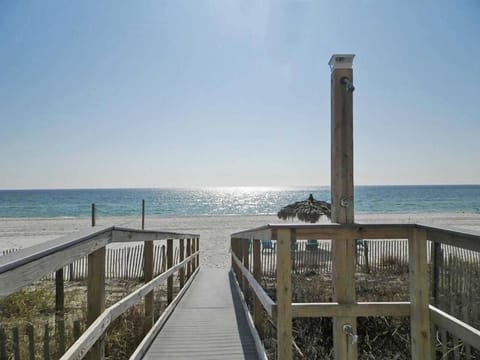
{"points": [[231, 200]]}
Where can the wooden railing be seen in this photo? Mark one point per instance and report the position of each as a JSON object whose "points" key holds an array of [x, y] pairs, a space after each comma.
{"points": [[26, 266], [282, 311]]}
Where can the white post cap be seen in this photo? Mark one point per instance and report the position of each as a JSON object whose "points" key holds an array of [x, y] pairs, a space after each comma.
{"points": [[341, 61]]}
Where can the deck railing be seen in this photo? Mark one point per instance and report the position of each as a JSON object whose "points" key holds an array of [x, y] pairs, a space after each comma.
{"points": [[24, 267], [422, 314]]}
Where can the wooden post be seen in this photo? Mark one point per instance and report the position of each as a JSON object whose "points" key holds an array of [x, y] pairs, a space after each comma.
{"points": [[143, 214], [182, 257], [96, 293], [169, 265], [284, 294], [245, 260], [148, 269], [343, 250], [194, 258], [189, 265], [93, 214], [436, 253], [96, 296], [198, 249], [59, 294], [419, 296], [31, 342], [257, 274]]}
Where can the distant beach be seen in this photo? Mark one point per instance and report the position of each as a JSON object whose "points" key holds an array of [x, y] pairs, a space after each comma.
{"points": [[214, 230]]}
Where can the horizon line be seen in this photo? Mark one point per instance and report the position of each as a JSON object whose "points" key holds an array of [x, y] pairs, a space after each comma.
{"points": [[277, 187]]}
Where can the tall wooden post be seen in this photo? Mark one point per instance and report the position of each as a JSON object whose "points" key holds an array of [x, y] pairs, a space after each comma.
{"points": [[419, 296], [284, 294], [343, 250], [96, 293], [148, 267], [96, 297]]}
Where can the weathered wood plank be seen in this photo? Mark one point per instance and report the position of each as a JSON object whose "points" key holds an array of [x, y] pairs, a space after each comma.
{"points": [[260, 292], [419, 295], [455, 326], [169, 265], [96, 297], [454, 237], [360, 309], [148, 271], [25, 273], [284, 294], [182, 256], [258, 317], [120, 234]]}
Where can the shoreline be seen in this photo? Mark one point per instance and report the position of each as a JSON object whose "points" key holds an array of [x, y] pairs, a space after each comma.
{"points": [[214, 230]]}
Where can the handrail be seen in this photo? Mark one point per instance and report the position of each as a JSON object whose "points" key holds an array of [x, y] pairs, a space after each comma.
{"points": [[98, 327], [455, 326], [418, 308], [450, 236], [329, 231], [267, 303], [28, 265]]}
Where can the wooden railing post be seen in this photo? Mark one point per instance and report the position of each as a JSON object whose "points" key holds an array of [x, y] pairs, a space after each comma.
{"points": [[193, 259], [234, 249], [189, 264], [96, 297], [198, 249], [435, 261], [257, 274], [419, 295], [169, 265], [148, 269], [182, 257], [343, 250], [245, 260], [284, 294]]}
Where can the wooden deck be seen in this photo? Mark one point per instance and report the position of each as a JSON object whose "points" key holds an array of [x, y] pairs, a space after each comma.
{"points": [[208, 323]]}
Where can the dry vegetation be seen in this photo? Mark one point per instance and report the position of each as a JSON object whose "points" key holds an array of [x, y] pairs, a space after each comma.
{"points": [[35, 305], [380, 338]]}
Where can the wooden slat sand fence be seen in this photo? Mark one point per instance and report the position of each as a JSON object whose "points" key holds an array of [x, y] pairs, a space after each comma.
{"points": [[121, 263], [44, 340], [316, 256]]}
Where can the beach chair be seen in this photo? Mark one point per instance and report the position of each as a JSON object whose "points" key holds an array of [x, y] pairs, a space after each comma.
{"points": [[312, 245], [268, 245]]}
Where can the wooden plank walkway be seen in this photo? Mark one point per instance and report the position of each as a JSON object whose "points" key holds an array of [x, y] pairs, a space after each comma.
{"points": [[208, 323]]}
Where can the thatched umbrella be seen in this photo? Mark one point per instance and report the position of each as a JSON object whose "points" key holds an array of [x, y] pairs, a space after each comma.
{"points": [[309, 210]]}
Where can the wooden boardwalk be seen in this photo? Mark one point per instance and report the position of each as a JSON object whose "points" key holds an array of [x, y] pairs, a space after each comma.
{"points": [[208, 323]]}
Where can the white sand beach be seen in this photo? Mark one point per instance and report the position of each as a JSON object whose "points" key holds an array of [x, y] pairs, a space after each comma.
{"points": [[214, 230]]}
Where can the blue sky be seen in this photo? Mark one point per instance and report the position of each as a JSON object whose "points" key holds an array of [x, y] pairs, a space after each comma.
{"points": [[234, 93]]}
